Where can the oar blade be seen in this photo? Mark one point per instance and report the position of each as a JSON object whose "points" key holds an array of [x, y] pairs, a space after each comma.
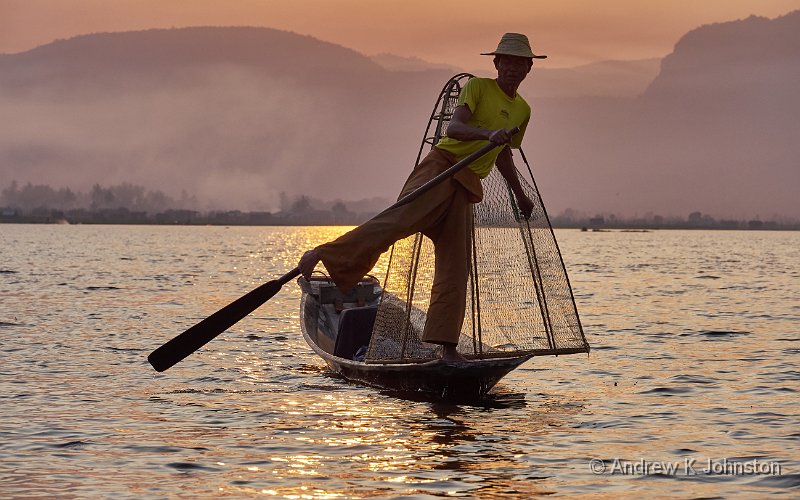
{"points": [[203, 332]]}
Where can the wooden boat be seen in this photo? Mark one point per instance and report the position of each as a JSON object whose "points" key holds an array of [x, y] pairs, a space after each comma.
{"points": [[338, 327]]}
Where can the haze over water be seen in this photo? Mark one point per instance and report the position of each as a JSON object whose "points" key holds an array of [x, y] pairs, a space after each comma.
{"points": [[695, 349]]}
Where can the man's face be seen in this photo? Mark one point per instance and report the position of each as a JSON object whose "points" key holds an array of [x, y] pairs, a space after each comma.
{"points": [[512, 69]]}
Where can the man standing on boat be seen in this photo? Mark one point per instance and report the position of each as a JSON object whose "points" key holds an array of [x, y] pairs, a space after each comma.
{"points": [[488, 109]]}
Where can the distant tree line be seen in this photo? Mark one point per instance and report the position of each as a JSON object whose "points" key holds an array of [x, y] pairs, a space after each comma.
{"points": [[695, 220], [30, 197], [131, 204]]}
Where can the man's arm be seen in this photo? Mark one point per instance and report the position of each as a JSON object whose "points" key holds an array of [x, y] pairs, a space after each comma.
{"points": [[460, 129], [505, 164]]}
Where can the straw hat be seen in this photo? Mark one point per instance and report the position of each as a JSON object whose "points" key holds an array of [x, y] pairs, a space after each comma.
{"points": [[514, 44]]}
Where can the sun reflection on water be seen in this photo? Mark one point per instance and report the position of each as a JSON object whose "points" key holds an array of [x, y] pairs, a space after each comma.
{"points": [[694, 355]]}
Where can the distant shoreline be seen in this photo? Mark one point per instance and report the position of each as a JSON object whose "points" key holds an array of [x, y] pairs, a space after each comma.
{"points": [[246, 219], [301, 212]]}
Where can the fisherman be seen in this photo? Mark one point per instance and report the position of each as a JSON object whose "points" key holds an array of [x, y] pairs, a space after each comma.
{"points": [[488, 109]]}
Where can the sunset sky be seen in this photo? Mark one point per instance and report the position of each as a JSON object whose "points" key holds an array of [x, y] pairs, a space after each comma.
{"points": [[571, 32], [616, 140]]}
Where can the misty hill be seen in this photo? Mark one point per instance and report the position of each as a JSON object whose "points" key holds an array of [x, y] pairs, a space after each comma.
{"points": [[605, 78], [237, 116], [716, 131], [231, 115], [160, 53], [394, 62], [727, 100], [729, 60]]}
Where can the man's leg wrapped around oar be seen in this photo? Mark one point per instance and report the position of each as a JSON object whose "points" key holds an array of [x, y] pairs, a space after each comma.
{"points": [[444, 215]]}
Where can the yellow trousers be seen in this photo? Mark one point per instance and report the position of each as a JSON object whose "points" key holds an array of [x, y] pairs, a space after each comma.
{"points": [[443, 214]]}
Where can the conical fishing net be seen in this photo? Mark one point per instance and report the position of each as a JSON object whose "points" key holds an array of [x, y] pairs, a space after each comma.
{"points": [[519, 299]]}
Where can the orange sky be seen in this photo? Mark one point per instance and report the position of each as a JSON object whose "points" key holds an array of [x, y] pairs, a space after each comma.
{"points": [[570, 31]]}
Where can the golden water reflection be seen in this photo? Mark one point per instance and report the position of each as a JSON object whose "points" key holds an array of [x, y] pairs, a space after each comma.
{"points": [[694, 341], [441, 450]]}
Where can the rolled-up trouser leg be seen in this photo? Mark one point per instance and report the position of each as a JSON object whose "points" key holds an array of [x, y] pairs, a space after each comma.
{"points": [[452, 240]]}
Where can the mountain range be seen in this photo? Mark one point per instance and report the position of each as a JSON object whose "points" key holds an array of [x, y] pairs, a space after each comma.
{"points": [[237, 116]]}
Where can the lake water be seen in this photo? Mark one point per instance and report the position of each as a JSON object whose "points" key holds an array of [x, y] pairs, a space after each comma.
{"points": [[695, 336]]}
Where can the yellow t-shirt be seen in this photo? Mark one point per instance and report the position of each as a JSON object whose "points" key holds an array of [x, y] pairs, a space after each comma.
{"points": [[492, 109]]}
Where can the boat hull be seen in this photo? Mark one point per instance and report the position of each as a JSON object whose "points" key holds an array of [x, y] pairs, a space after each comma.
{"points": [[337, 328], [438, 379]]}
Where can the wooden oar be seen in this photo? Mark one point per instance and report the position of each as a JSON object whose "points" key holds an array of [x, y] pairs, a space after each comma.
{"points": [[202, 333], [447, 173]]}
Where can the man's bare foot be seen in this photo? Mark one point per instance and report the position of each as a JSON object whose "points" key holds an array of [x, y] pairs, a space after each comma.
{"points": [[308, 262], [451, 354]]}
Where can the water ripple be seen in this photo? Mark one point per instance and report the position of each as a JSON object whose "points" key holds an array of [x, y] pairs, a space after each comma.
{"points": [[693, 358]]}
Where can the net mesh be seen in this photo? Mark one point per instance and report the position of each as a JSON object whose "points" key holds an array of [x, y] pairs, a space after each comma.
{"points": [[519, 299]]}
